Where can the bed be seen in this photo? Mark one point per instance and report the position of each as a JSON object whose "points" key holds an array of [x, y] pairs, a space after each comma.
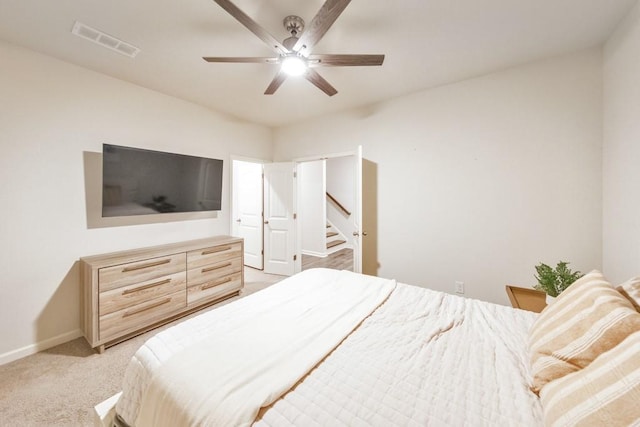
{"points": [[329, 347]]}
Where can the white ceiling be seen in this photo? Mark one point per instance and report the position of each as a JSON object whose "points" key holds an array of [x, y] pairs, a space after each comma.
{"points": [[427, 43]]}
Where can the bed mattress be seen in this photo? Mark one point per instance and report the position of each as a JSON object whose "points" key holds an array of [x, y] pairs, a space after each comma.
{"points": [[421, 358]]}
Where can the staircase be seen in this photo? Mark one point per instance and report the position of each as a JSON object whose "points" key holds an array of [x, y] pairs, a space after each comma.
{"points": [[335, 241]]}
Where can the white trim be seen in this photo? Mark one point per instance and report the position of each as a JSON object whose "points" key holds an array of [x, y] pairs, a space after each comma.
{"points": [[315, 254], [339, 247], [28, 350], [233, 157], [325, 156]]}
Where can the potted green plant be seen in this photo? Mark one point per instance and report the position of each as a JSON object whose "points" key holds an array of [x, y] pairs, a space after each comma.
{"points": [[553, 281]]}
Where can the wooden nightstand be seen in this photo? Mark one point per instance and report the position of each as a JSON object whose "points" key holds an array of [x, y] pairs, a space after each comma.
{"points": [[526, 299]]}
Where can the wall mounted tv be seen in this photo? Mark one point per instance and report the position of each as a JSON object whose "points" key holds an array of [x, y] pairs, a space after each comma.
{"points": [[140, 182]]}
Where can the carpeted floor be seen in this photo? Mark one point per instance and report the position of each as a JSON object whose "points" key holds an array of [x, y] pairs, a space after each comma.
{"points": [[60, 386]]}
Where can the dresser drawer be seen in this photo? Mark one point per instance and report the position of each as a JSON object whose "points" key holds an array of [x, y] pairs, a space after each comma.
{"points": [[128, 292], [214, 254], [140, 271], [121, 322], [130, 295], [214, 289], [211, 272]]}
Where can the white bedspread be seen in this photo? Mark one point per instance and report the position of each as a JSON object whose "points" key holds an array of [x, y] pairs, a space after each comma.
{"points": [[229, 375], [422, 358]]}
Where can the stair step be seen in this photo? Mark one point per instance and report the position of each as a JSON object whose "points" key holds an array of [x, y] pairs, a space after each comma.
{"points": [[331, 233], [335, 243]]}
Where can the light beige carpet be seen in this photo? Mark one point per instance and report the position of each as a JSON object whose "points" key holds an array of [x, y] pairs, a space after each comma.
{"points": [[60, 386]]}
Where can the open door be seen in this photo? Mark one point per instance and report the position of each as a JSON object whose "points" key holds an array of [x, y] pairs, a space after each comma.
{"points": [[246, 208], [358, 232], [369, 218], [364, 211], [279, 218], [365, 253]]}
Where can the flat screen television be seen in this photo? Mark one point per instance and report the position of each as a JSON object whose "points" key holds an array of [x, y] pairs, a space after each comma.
{"points": [[139, 182]]}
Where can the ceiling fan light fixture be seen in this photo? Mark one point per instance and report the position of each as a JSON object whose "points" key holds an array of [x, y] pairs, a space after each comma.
{"points": [[294, 65], [294, 53]]}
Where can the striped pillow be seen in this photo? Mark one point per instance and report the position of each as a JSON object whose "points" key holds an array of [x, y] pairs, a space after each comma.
{"points": [[631, 291], [605, 393], [587, 319]]}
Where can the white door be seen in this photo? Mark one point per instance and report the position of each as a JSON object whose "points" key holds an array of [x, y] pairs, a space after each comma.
{"points": [[279, 223], [246, 210]]}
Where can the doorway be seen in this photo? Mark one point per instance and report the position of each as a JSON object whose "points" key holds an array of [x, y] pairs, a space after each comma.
{"points": [[340, 206], [326, 211]]}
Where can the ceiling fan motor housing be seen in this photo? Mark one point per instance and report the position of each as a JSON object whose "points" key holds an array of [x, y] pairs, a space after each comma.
{"points": [[294, 25]]}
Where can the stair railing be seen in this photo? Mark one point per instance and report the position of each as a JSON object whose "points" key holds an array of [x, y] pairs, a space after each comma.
{"points": [[338, 204]]}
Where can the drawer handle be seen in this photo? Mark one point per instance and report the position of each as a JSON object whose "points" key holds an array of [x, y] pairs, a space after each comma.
{"points": [[149, 307], [141, 266], [206, 270], [218, 249], [213, 284], [142, 288]]}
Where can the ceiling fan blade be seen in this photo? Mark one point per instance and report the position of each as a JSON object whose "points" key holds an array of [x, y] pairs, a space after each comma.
{"points": [[320, 23], [276, 82], [243, 59], [320, 82], [252, 26], [329, 60]]}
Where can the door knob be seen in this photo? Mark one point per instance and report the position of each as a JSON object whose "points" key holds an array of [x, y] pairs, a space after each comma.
{"points": [[238, 220], [356, 234], [266, 221]]}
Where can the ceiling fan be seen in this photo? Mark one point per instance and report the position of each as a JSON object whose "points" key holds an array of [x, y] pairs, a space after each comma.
{"points": [[294, 53]]}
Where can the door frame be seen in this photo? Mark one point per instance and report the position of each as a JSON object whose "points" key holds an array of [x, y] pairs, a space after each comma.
{"points": [[297, 228], [357, 258]]}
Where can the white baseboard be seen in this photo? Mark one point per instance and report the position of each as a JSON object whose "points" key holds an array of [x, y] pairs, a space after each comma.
{"points": [[19, 353]]}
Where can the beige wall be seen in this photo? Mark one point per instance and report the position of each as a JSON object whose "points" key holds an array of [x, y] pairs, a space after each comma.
{"points": [[480, 180], [476, 181], [621, 154], [53, 119]]}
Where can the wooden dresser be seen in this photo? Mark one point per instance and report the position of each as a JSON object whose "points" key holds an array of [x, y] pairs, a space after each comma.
{"points": [[129, 292]]}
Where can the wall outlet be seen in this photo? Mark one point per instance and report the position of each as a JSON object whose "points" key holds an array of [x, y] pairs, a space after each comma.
{"points": [[459, 287]]}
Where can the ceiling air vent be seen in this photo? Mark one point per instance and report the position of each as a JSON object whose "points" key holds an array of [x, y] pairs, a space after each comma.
{"points": [[104, 39]]}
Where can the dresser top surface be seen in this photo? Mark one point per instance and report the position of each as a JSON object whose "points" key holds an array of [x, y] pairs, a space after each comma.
{"points": [[132, 255]]}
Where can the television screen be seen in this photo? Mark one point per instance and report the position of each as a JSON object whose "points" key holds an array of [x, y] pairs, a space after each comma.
{"points": [[139, 182]]}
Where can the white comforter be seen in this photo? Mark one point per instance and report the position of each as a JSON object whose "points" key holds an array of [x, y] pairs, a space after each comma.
{"points": [[422, 358], [257, 354]]}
